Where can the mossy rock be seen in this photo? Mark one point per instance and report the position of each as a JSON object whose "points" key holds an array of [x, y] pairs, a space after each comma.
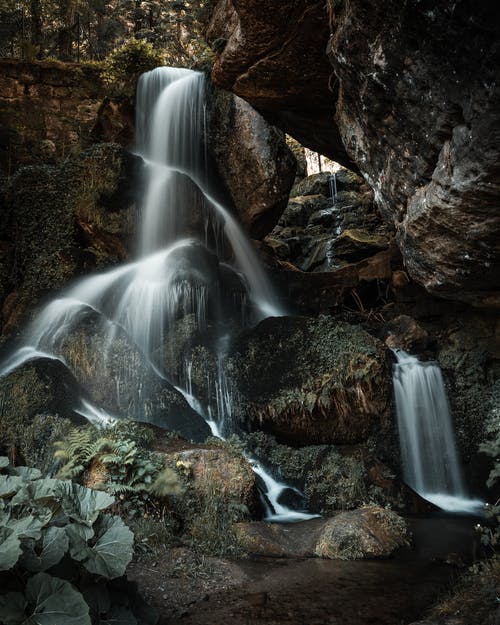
{"points": [[310, 381], [40, 390], [120, 379], [370, 532], [333, 477], [218, 490], [355, 244], [67, 219]]}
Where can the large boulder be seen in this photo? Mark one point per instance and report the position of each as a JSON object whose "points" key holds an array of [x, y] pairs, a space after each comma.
{"points": [[120, 379], [369, 532], [275, 59], [309, 380], [214, 470], [256, 166]]}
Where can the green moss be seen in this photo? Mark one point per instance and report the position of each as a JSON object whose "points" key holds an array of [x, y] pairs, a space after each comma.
{"points": [[296, 372], [22, 395], [38, 437]]}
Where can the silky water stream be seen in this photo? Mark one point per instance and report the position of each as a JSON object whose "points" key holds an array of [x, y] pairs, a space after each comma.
{"points": [[429, 454], [186, 237]]}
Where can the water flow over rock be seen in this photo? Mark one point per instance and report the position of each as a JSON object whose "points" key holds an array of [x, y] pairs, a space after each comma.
{"points": [[430, 458], [185, 232]]}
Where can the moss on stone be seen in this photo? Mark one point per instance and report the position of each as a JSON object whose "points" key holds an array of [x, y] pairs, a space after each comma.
{"points": [[369, 532], [310, 380], [66, 219]]}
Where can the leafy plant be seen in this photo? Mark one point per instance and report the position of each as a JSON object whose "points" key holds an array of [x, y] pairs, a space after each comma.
{"points": [[114, 463], [58, 544], [126, 63]]}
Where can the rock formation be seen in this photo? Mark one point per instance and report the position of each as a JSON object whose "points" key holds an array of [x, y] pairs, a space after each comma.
{"points": [[253, 159], [414, 96]]}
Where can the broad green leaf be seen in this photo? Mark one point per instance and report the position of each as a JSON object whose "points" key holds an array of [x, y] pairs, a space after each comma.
{"points": [[78, 536], [12, 608], [40, 491], [4, 462], [28, 474], [113, 550], [10, 484], [25, 524], [55, 602], [82, 504], [47, 552], [10, 548]]}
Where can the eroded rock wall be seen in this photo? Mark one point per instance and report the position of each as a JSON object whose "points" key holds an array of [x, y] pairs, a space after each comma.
{"points": [[419, 112], [415, 99], [274, 57]]}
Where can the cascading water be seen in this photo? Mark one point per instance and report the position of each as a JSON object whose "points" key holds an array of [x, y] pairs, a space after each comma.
{"points": [[430, 458], [333, 188], [176, 272]]}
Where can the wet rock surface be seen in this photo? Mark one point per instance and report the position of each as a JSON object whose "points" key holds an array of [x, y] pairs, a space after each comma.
{"points": [[330, 222], [405, 333], [309, 380], [253, 159], [124, 383]]}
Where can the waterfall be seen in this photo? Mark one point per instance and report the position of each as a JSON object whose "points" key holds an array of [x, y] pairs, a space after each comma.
{"points": [[430, 459], [178, 269], [332, 182]]}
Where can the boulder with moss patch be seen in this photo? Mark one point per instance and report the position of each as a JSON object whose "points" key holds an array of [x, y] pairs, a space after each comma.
{"points": [[215, 470], [341, 477], [310, 380], [370, 532], [120, 379], [37, 390]]}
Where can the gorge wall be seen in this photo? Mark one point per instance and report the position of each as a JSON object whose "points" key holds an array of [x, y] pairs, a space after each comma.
{"points": [[410, 97], [50, 109]]}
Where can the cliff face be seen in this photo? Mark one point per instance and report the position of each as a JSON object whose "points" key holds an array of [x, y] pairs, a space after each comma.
{"points": [[275, 59], [415, 98], [49, 109]]}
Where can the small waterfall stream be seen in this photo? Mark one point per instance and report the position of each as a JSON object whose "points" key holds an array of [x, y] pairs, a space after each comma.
{"points": [[184, 227], [429, 454]]}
